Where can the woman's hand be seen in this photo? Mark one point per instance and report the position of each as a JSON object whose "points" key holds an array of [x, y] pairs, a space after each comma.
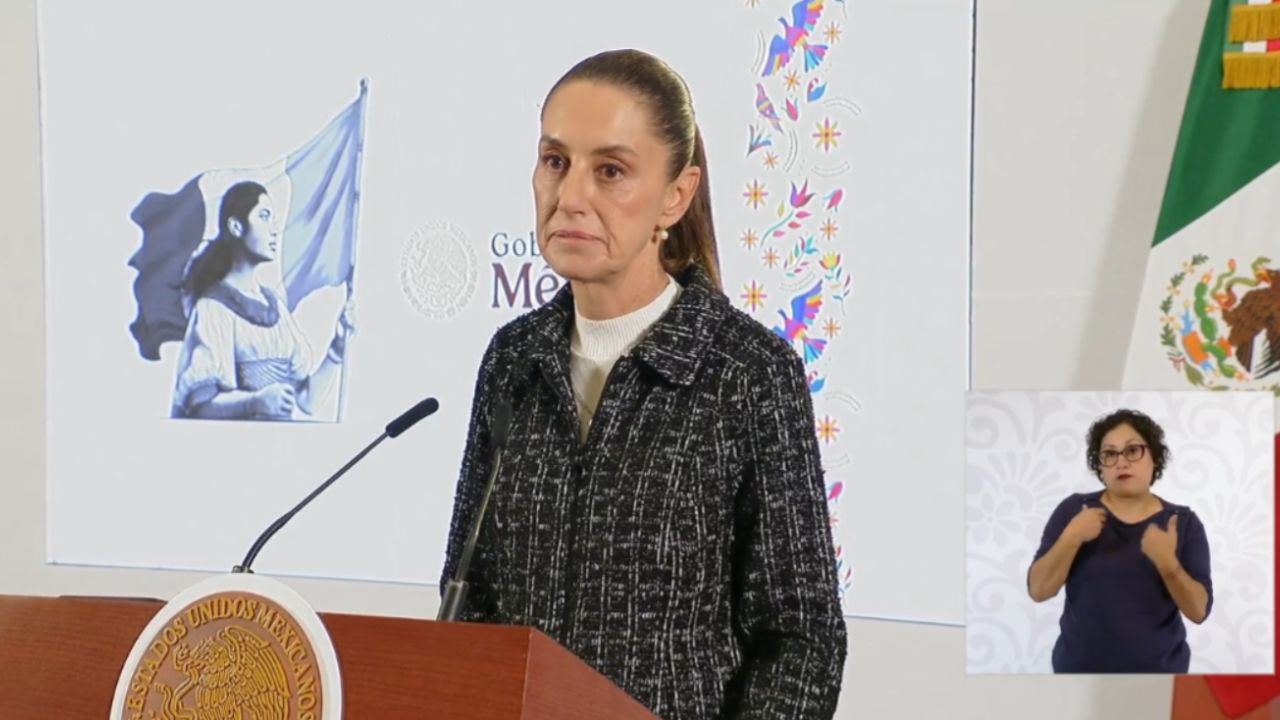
{"points": [[276, 400], [1048, 574], [1086, 525], [1160, 546], [346, 327], [347, 320]]}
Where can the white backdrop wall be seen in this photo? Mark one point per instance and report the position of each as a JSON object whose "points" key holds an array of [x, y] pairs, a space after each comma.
{"points": [[1025, 454], [1070, 162], [1037, 125]]}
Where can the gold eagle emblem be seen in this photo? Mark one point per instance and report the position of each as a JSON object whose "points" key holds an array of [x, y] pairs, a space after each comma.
{"points": [[231, 675]]}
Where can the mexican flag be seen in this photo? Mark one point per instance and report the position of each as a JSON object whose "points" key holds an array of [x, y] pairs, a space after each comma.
{"points": [[1209, 313]]}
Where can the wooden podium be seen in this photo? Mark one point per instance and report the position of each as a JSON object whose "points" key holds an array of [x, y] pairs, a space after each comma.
{"points": [[61, 658]]}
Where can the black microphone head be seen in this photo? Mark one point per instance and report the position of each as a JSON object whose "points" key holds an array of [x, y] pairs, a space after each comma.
{"points": [[412, 416], [501, 424]]}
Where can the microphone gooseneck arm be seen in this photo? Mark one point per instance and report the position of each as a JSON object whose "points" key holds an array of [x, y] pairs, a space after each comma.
{"points": [[246, 565], [455, 592], [394, 428]]}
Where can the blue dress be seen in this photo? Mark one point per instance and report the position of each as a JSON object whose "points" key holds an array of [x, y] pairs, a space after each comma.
{"points": [[237, 342], [1118, 616]]}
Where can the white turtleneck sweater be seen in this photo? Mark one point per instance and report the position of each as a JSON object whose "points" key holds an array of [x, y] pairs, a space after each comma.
{"points": [[595, 345]]}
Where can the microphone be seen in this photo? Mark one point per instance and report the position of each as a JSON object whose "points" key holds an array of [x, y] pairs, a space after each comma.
{"points": [[455, 593], [394, 428], [410, 417]]}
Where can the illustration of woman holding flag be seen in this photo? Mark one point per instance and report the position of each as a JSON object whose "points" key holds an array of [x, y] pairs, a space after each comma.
{"points": [[229, 291], [243, 355]]}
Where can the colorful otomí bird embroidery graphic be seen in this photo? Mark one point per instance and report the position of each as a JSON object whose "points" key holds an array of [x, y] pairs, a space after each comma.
{"points": [[757, 140], [804, 18], [816, 382], [804, 311], [766, 109], [815, 91], [800, 197]]}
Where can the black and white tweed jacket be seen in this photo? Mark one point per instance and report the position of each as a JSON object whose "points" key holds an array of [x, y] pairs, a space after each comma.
{"points": [[683, 550]]}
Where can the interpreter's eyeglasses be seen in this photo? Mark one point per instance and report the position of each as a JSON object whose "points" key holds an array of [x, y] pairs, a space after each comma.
{"points": [[1132, 453]]}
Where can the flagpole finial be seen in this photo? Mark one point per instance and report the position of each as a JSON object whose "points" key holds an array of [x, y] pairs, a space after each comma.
{"points": [[364, 85]]}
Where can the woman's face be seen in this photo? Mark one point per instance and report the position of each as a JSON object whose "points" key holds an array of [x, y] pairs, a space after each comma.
{"points": [[261, 232], [601, 185], [1125, 477]]}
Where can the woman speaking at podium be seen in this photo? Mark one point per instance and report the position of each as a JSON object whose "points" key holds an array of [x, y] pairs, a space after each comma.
{"points": [[660, 509]]}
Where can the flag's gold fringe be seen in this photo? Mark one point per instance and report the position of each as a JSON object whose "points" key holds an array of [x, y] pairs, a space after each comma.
{"points": [[1242, 71], [1250, 23]]}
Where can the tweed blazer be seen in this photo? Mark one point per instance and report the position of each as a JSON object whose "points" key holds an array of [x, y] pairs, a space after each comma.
{"points": [[683, 550]]}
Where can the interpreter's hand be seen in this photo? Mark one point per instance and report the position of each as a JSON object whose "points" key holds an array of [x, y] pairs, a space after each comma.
{"points": [[1086, 525], [275, 400], [1161, 546]]}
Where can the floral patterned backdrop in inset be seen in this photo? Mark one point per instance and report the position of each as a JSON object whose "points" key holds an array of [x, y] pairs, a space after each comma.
{"points": [[1025, 453]]}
